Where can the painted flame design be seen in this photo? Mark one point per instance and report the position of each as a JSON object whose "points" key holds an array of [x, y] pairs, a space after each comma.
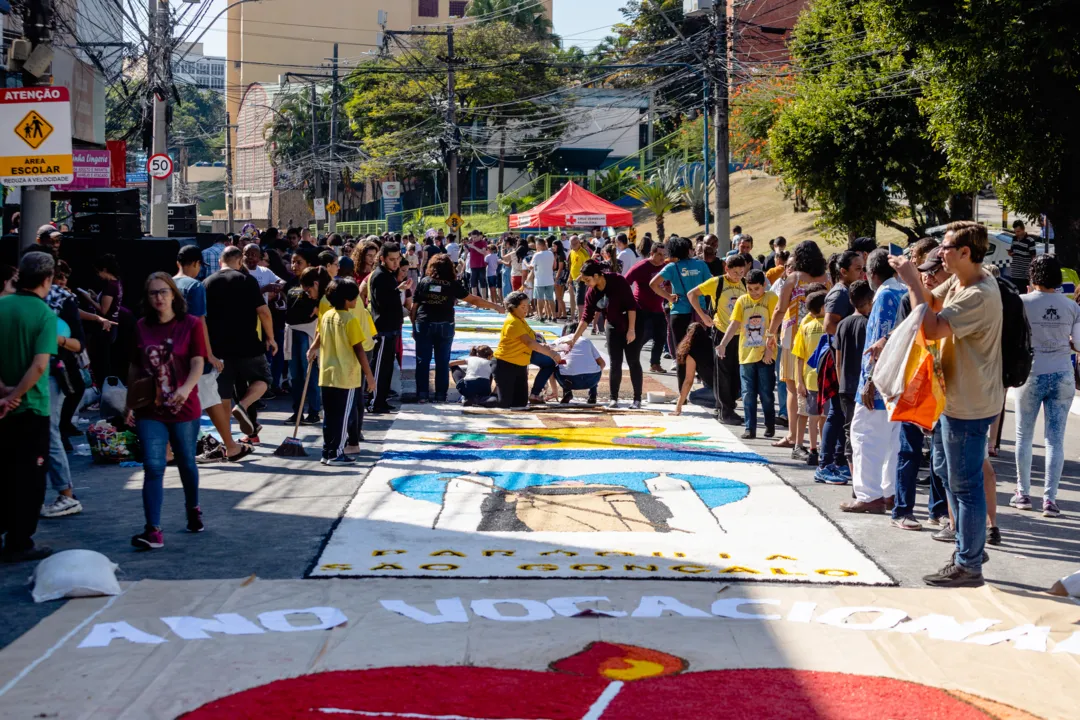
{"points": [[620, 662]]}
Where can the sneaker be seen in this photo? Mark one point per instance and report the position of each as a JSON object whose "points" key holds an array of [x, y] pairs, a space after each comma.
{"points": [[612, 404], [954, 576], [666, 355], [829, 476], [567, 396], [32, 554], [341, 460], [243, 420], [1020, 501], [844, 471], [770, 432], [194, 520], [781, 421], [212, 456], [291, 420], [62, 506], [592, 398], [312, 419], [945, 534], [636, 405], [731, 419], [1050, 509], [799, 453], [939, 521], [993, 536], [748, 435], [657, 369], [149, 539], [906, 523], [812, 459]]}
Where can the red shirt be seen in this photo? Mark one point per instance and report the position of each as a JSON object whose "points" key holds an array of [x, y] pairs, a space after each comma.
{"points": [[164, 352], [639, 277], [615, 300]]}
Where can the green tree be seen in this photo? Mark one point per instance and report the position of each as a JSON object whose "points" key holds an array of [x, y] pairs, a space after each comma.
{"points": [[1002, 94], [198, 119], [508, 104], [528, 17], [853, 139], [658, 198]]}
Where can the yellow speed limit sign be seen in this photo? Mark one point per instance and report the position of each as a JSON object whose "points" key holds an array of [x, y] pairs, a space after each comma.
{"points": [[454, 222], [333, 207]]}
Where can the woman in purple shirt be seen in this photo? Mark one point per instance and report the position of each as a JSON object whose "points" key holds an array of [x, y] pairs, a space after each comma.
{"points": [[610, 294]]}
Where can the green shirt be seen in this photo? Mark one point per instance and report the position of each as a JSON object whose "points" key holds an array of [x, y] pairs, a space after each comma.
{"points": [[28, 328]]}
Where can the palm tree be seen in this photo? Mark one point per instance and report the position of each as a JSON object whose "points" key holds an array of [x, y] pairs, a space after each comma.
{"points": [[526, 16], [657, 199]]}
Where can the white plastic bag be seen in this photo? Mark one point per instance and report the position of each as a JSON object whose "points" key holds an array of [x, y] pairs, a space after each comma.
{"points": [[74, 574], [113, 398], [889, 371]]}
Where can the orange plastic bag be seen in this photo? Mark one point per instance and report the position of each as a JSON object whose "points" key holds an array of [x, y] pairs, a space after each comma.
{"points": [[923, 399]]}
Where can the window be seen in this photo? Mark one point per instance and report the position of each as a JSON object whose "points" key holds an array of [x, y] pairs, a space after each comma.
{"points": [[457, 8], [217, 83], [217, 69], [429, 8]]}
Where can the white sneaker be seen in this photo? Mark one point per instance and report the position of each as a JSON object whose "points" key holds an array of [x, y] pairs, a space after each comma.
{"points": [[61, 507]]}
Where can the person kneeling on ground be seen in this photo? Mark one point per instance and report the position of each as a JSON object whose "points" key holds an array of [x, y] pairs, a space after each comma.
{"points": [[696, 355], [474, 381], [343, 367], [582, 369], [517, 348]]}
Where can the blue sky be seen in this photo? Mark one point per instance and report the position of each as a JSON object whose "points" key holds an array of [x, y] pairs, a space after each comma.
{"points": [[580, 22]]}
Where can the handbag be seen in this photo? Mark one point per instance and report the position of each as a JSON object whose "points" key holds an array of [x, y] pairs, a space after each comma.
{"points": [[141, 394]]}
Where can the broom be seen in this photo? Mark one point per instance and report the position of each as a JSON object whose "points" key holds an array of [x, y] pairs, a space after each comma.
{"points": [[293, 447]]}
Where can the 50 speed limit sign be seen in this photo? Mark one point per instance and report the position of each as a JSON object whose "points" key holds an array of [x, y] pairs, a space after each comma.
{"points": [[160, 167]]}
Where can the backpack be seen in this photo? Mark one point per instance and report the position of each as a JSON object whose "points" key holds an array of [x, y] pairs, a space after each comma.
{"points": [[1017, 354]]}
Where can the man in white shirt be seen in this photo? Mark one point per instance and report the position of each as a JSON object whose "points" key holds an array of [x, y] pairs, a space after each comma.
{"points": [[627, 255], [581, 368], [543, 270], [269, 283], [453, 249]]}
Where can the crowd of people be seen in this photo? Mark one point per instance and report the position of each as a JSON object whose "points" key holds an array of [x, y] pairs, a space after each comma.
{"points": [[793, 335]]}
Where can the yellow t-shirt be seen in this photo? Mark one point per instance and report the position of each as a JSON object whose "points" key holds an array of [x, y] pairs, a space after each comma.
{"points": [[729, 294], [324, 307], [755, 316], [339, 333], [774, 274], [361, 313], [577, 260], [512, 348], [807, 339]]}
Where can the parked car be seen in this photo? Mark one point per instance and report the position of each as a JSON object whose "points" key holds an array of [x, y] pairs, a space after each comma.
{"points": [[1000, 243]]}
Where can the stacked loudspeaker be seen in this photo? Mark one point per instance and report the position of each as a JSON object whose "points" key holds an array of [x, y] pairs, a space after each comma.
{"points": [[183, 220], [106, 213]]}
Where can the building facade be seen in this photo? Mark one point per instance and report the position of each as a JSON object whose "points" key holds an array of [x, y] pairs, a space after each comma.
{"points": [[191, 67]]}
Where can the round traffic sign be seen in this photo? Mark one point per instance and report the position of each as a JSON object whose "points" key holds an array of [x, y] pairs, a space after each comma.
{"points": [[160, 167]]}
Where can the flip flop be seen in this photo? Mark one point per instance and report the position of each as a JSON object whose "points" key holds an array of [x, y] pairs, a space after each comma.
{"points": [[245, 450], [783, 443]]}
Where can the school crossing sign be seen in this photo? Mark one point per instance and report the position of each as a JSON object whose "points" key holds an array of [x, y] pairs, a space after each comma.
{"points": [[35, 136]]}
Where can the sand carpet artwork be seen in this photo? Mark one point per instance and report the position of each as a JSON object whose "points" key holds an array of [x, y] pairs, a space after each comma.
{"points": [[562, 650], [474, 327], [550, 494]]}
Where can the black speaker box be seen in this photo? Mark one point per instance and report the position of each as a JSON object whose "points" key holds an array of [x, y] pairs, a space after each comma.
{"points": [[112, 225], [183, 226], [105, 201], [187, 212]]}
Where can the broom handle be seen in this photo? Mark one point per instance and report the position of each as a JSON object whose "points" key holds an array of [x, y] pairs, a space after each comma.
{"points": [[303, 399]]}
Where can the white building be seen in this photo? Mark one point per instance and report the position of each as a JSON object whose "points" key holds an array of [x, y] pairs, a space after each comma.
{"points": [[191, 67]]}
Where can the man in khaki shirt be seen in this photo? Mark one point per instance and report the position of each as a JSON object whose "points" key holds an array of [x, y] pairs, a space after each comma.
{"points": [[965, 314]]}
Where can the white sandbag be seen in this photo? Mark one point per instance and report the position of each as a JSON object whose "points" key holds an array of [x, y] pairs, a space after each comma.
{"points": [[889, 371], [74, 574]]}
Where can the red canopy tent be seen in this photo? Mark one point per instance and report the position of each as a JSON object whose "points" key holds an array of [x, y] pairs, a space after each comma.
{"points": [[573, 206]]}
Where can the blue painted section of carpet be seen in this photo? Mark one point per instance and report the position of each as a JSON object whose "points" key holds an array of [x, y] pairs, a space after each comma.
{"points": [[713, 491], [628, 454]]}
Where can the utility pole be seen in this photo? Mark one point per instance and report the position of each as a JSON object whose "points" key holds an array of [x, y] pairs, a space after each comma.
{"points": [[228, 174], [332, 217], [158, 69], [453, 191], [723, 188], [36, 199]]}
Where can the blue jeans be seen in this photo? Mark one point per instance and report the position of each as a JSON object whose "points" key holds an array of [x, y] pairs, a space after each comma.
{"points": [[1054, 392], [907, 470], [154, 436], [832, 435], [277, 361], [433, 338], [758, 381], [547, 369], [301, 342], [59, 472], [959, 451], [584, 381], [507, 286], [781, 399]]}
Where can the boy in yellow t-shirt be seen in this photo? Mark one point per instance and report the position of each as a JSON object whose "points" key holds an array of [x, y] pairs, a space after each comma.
{"points": [[750, 318], [807, 339], [343, 367]]}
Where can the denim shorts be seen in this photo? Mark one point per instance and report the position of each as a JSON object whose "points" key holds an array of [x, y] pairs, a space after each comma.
{"points": [[811, 404], [544, 292]]}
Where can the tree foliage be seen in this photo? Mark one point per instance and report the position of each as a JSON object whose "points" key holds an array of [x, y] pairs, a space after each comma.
{"points": [[755, 106], [198, 119], [853, 139], [505, 84], [527, 17], [1002, 94]]}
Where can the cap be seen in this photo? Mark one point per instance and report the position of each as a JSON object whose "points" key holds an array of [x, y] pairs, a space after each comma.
{"points": [[933, 261], [46, 230]]}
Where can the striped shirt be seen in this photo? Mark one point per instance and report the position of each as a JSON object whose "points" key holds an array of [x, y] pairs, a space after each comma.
{"points": [[1023, 250], [211, 260]]}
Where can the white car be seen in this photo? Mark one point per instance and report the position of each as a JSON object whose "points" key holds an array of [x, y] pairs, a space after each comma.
{"points": [[1000, 243]]}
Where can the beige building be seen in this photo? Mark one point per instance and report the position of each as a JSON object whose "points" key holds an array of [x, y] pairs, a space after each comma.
{"points": [[269, 39]]}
